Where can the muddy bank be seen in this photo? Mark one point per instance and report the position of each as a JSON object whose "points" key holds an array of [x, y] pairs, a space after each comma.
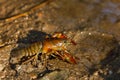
{"points": [[93, 25]]}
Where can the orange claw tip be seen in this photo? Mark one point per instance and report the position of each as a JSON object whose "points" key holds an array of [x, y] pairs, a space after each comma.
{"points": [[73, 42], [69, 58], [73, 61], [63, 37]]}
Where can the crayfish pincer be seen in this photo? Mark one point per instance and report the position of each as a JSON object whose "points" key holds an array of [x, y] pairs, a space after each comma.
{"points": [[54, 45]]}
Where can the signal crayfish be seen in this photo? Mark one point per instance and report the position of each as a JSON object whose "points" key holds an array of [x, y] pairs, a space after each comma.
{"points": [[54, 46]]}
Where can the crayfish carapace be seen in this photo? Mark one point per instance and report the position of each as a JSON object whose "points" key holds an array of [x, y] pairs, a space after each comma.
{"points": [[51, 46]]}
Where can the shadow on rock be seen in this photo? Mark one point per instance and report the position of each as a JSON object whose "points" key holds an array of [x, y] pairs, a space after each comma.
{"points": [[33, 36], [112, 62], [40, 75]]}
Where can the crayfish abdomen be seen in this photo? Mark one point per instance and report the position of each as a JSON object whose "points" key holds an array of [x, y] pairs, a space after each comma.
{"points": [[17, 55]]}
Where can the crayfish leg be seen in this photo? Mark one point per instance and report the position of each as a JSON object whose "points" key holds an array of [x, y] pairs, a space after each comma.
{"points": [[35, 60], [30, 59], [44, 60]]}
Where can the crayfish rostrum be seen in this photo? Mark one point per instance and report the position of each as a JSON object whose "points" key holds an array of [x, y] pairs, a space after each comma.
{"points": [[52, 46]]}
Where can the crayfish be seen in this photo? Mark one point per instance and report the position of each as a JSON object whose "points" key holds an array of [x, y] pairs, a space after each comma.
{"points": [[52, 46]]}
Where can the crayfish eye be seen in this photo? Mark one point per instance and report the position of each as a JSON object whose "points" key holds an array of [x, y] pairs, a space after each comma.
{"points": [[66, 42]]}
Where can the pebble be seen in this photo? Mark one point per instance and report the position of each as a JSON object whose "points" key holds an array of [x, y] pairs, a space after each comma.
{"points": [[1, 67]]}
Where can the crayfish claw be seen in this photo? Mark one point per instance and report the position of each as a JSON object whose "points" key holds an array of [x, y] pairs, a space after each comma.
{"points": [[59, 35], [65, 56]]}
